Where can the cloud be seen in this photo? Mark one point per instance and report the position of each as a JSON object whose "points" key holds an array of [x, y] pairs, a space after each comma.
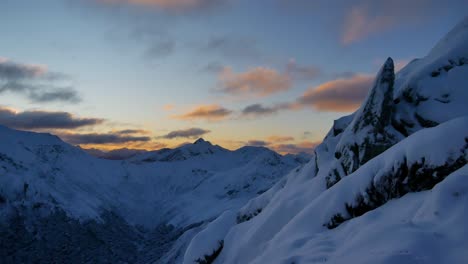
{"points": [[341, 95], [276, 143], [271, 141], [168, 5], [206, 112], [14, 71], [305, 146], [44, 120], [359, 24], [371, 17], [101, 138], [257, 81], [257, 110], [186, 133], [232, 47], [132, 131], [302, 72], [257, 143], [35, 82], [63, 94], [276, 139]]}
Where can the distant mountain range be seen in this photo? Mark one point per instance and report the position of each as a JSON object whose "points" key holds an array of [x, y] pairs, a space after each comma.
{"points": [[54, 195], [199, 147]]}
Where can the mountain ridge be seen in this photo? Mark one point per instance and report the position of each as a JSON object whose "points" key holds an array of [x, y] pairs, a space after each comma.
{"points": [[120, 206]]}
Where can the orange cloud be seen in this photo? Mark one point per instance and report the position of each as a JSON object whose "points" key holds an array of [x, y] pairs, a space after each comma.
{"points": [[132, 132], [280, 138], [259, 81], [130, 145], [342, 95], [304, 146], [205, 112], [277, 143], [164, 4]]}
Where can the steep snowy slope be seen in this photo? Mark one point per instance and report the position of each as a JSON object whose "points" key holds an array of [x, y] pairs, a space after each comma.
{"points": [[387, 184], [131, 211], [304, 214]]}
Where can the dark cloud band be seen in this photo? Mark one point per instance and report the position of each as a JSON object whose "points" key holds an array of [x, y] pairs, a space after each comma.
{"points": [[186, 133], [44, 120], [35, 82], [105, 138]]}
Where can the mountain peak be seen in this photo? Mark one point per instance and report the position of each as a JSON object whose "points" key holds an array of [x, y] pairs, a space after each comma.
{"points": [[378, 105], [200, 141], [388, 66]]}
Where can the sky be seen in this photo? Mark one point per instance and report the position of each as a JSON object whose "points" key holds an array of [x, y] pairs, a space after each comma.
{"points": [[149, 74]]}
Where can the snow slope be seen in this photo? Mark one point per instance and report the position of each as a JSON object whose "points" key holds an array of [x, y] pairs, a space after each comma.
{"points": [[43, 180], [387, 185], [275, 233]]}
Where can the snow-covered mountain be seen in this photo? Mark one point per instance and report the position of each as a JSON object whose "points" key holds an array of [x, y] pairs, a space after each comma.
{"points": [[388, 184], [59, 204]]}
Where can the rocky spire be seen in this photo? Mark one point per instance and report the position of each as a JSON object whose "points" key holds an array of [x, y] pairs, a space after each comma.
{"points": [[377, 109], [370, 133]]}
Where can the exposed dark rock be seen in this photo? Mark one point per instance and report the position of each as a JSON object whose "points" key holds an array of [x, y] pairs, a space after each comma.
{"points": [[371, 127], [208, 259], [425, 122], [246, 217], [414, 177]]}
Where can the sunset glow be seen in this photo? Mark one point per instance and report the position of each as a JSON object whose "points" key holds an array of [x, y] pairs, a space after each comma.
{"points": [[270, 73]]}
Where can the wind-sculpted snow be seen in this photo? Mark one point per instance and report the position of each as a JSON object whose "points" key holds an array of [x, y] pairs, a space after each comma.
{"points": [[386, 185]]}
